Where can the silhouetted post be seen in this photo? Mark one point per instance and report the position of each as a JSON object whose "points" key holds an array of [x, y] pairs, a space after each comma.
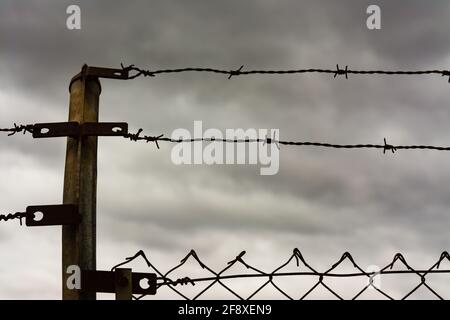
{"points": [[80, 184]]}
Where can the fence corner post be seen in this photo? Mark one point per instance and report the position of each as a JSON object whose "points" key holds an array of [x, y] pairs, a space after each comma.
{"points": [[80, 184]]}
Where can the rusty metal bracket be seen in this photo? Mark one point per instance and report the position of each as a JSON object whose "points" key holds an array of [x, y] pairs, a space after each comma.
{"points": [[56, 129], [108, 73], [116, 281], [100, 72], [52, 215], [74, 129]]}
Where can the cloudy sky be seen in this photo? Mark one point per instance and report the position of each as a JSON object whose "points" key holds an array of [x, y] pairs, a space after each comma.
{"points": [[322, 201]]}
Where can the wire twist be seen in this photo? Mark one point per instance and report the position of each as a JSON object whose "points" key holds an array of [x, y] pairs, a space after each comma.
{"points": [[11, 216], [18, 128]]}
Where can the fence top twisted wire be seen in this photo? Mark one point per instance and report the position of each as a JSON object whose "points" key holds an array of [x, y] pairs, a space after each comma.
{"points": [[218, 278]]}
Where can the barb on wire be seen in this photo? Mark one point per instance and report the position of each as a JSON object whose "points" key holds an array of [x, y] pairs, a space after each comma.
{"points": [[18, 128], [341, 72], [385, 146], [136, 137], [139, 72], [323, 278], [388, 147], [238, 72], [11, 216], [235, 72]]}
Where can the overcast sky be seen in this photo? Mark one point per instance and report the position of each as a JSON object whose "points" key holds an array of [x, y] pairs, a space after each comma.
{"points": [[322, 201]]}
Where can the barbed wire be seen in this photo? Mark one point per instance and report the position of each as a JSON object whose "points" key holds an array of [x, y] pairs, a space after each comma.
{"points": [[218, 278], [18, 128], [385, 146], [237, 72], [11, 216], [160, 138]]}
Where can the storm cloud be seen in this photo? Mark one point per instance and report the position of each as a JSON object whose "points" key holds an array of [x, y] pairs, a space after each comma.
{"points": [[324, 202]]}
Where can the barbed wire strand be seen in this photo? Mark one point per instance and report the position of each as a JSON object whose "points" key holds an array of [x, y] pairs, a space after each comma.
{"points": [[164, 279], [238, 72], [160, 138], [18, 128], [385, 146], [11, 216]]}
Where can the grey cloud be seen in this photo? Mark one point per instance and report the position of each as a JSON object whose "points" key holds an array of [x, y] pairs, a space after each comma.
{"points": [[322, 201]]}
